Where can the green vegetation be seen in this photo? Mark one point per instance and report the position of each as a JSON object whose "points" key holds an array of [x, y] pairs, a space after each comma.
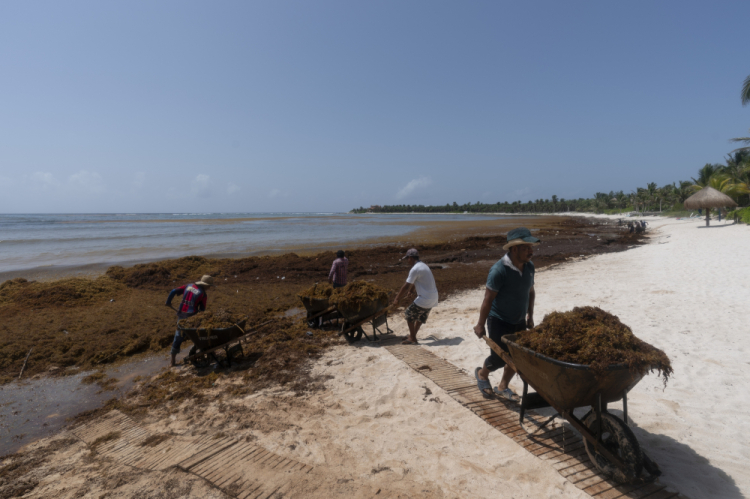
{"points": [[732, 178], [741, 214]]}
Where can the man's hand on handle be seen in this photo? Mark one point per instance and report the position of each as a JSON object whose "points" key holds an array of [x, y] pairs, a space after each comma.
{"points": [[479, 330], [530, 321]]}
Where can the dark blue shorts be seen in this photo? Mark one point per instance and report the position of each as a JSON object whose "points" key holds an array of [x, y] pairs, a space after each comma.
{"points": [[496, 329]]}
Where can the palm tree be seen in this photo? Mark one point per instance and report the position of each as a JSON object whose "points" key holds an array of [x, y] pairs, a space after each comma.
{"points": [[704, 176], [746, 91], [684, 191]]}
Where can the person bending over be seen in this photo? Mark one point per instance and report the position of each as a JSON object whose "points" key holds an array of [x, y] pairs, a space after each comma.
{"points": [[194, 299], [421, 279]]}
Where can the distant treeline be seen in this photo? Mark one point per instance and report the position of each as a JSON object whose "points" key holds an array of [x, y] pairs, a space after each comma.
{"points": [[732, 178]]}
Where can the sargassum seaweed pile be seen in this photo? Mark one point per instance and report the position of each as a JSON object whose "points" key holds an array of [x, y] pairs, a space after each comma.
{"points": [[358, 293], [593, 337], [319, 291], [220, 319]]}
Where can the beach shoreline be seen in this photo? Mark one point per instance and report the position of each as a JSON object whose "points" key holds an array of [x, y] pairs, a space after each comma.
{"points": [[376, 424], [128, 314]]}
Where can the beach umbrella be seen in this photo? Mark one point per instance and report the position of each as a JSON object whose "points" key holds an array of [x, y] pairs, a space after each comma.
{"points": [[708, 198]]}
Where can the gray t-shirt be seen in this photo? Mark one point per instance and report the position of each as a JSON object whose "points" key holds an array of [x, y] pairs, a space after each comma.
{"points": [[512, 300], [421, 276]]}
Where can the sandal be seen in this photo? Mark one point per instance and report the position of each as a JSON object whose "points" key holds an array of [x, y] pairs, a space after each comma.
{"points": [[409, 342], [507, 394], [483, 384]]}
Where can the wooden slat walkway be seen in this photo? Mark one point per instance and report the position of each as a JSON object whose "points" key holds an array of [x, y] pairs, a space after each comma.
{"points": [[560, 446], [238, 468]]}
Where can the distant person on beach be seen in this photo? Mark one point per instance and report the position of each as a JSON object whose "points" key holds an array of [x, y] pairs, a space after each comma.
{"points": [[194, 299], [337, 275], [508, 307], [420, 278]]}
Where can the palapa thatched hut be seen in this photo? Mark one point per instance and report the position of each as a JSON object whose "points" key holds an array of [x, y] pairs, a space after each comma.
{"points": [[708, 198]]}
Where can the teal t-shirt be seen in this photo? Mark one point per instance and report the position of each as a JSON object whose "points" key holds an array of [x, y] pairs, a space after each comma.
{"points": [[512, 300]]}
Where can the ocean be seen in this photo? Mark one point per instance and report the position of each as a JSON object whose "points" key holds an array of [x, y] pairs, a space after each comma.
{"points": [[40, 244]]}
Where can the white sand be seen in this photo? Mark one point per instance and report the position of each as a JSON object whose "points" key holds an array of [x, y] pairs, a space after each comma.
{"points": [[686, 292], [376, 428]]}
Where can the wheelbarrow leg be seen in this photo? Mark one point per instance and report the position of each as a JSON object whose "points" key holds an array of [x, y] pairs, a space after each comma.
{"points": [[598, 410], [523, 401]]}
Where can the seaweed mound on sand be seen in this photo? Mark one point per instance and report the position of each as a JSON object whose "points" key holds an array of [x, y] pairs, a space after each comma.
{"points": [[220, 319], [358, 293], [63, 292], [591, 336], [319, 291]]}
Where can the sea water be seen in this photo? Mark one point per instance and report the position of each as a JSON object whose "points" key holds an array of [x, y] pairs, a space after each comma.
{"points": [[56, 242]]}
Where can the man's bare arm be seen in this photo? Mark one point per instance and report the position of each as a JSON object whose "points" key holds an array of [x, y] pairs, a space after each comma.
{"points": [[484, 311], [405, 290]]}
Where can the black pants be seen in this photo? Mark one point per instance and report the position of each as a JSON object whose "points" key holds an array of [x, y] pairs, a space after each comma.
{"points": [[496, 329]]}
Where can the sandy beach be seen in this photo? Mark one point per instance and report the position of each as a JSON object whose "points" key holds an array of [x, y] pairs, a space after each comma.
{"points": [[381, 429]]}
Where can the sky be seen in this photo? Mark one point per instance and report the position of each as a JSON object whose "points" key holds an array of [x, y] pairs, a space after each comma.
{"points": [[267, 106]]}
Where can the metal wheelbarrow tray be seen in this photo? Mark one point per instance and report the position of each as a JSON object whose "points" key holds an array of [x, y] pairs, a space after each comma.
{"points": [[318, 311], [206, 342], [374, 312], [564, 386]]}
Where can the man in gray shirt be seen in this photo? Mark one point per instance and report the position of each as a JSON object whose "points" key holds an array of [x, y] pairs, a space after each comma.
{"points": [[508, 307]]}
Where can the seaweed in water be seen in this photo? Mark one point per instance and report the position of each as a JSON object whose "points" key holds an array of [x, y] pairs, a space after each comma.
{"points": [[593, 337], [220, 319], [358, 293], [319, 291]]}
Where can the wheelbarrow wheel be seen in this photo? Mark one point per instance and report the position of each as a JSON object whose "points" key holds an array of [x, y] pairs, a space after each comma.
{"points": [[200, 361], [235, 353], [620, 441], [354, 334]]}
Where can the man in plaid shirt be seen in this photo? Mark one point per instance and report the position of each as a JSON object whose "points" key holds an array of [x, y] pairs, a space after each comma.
{"points": [[194, 299], [337, 275]]}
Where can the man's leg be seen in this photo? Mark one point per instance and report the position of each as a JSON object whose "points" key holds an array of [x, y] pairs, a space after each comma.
{"points": [[176, 347], [508, 373], [413, 330]]}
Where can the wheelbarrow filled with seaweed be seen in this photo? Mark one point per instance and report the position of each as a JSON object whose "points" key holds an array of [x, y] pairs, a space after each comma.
{"points": [[316, 301], [213, 333], [565, 385], [359, 303]]}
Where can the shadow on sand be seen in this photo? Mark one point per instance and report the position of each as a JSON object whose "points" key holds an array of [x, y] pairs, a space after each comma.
{"points": [[682, 468], [717, 226], [431, 341]]}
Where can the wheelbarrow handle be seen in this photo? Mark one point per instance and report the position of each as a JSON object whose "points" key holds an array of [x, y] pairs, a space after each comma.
{"points": [[502, 353]]}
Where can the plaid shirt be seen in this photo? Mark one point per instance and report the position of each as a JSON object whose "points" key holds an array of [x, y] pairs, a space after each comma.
{"points": [[338, 271], [194, 300]]}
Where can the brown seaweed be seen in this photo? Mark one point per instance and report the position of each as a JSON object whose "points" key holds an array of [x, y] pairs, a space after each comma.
{"points": [[220, 319], [358, 293], [319, 291], [593, 337]]}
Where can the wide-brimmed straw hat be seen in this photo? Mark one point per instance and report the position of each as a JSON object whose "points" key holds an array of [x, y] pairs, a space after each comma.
{"points": [[206, 280], [521, 235]]}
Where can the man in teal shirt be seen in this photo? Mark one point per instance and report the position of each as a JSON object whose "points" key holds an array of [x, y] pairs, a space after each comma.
{"points": [[508, 306]]}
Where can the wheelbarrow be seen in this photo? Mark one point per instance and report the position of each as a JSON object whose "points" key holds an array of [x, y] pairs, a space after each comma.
{"points": [[319, 311], [375, 312], [207, 343], [609, 442]]}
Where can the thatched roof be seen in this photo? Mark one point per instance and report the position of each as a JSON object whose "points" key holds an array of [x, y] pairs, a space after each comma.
{"points": [[708, 197]]}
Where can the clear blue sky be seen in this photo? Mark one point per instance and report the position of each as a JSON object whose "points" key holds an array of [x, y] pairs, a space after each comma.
{"points": [[175, 106]]}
